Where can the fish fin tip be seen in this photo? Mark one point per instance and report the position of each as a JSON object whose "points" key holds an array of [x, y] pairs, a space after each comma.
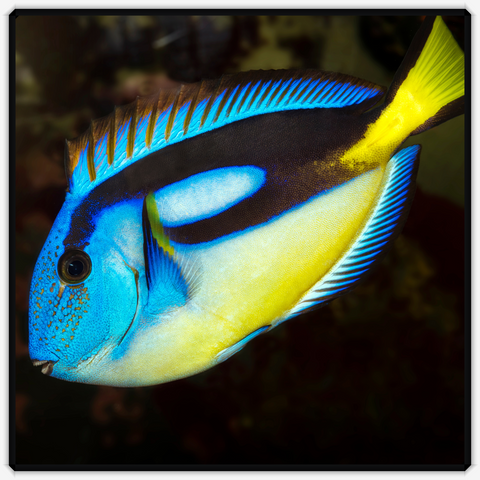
{"points": [[433, 74], [377, 236]]}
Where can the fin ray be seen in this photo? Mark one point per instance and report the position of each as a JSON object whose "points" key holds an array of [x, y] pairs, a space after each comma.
{"points": [[431, 76], [166, 284]]}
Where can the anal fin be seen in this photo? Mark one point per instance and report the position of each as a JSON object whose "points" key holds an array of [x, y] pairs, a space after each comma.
{"points": [[229, 351], [378, 234]]}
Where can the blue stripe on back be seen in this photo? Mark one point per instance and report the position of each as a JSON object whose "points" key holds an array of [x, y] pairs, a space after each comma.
{"points": [[306, 92]]}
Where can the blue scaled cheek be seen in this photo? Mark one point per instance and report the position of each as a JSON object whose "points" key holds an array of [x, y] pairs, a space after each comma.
{"points": [[65, 321], [72, 319]]}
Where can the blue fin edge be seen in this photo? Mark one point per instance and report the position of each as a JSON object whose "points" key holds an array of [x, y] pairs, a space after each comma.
{"points": [[229, 351]]}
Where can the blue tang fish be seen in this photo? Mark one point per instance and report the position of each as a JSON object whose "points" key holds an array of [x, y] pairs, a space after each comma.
{"points": [[201, 217]]}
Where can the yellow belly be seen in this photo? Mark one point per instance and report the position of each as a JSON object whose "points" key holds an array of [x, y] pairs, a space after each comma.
{"points": [[252, 280]]}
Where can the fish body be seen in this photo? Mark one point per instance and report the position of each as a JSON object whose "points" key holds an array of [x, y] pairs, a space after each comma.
{"points": [[199, 218]]}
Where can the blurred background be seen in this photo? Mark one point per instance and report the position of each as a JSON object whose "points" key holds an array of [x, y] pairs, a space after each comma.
{"points": [[376, 377]]}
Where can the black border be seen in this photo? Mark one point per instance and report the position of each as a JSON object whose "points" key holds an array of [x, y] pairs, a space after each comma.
{"points": [[230, 467], [468, 240], [261, 11], [11, 239]]}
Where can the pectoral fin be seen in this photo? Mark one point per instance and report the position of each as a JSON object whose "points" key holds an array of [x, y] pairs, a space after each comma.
{"points": [[167, 287]]}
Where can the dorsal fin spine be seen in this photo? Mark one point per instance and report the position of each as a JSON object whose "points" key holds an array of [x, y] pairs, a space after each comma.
{"points": [[216, 106], [239, 98], [255, 94], [212, 98], [227, 96], [350, 93], [100, 147], [66, 162], [132, 129], [283, 91], [309, 85], [191, 109], [292, 94], [112, 133], [311, 94], [234, 100], [244, 97], [229, 101], [90, 154], [339, 92], [265, 93], [275, 92], [173, 113], [328, 95], [123, 123], [357, 94], [322, 91], [151, 123]]}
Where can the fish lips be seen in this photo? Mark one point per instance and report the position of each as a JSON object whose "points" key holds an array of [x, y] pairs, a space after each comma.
{"points": [[47, 365]]}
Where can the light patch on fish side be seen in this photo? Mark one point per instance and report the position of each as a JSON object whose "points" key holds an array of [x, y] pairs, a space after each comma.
{"points": [[206, 194]]}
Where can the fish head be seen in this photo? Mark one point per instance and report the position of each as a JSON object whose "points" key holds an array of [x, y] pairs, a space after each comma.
{"points": [[82, 301]]}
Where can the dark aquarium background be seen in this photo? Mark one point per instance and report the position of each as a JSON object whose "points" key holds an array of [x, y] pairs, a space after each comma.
{"points": [[375, 377]]}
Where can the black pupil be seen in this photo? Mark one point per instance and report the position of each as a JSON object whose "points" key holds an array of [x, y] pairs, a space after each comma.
{"points": [[75, 268]]}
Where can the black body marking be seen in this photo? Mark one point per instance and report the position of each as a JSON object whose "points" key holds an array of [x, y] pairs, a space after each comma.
{"points": [[299, 150]]}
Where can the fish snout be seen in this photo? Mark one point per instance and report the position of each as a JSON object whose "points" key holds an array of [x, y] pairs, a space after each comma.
{"points": [[47, 365]]}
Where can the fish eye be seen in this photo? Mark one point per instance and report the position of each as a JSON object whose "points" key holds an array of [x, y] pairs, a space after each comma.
{"points": [[74, 266]]}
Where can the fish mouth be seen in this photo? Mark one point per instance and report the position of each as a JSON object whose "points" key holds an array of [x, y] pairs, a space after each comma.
{"points": [[47, 365]]}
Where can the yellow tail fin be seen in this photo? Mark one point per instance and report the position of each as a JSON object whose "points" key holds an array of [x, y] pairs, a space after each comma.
{"points": [[428, 89], [431, 79]]}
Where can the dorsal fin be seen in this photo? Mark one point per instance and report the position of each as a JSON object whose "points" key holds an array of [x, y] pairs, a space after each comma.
{"points": [[150, 123]]}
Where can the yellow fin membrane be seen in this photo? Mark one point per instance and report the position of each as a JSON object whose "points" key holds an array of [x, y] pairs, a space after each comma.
{"points": [[434, 83], [428, 89]]}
